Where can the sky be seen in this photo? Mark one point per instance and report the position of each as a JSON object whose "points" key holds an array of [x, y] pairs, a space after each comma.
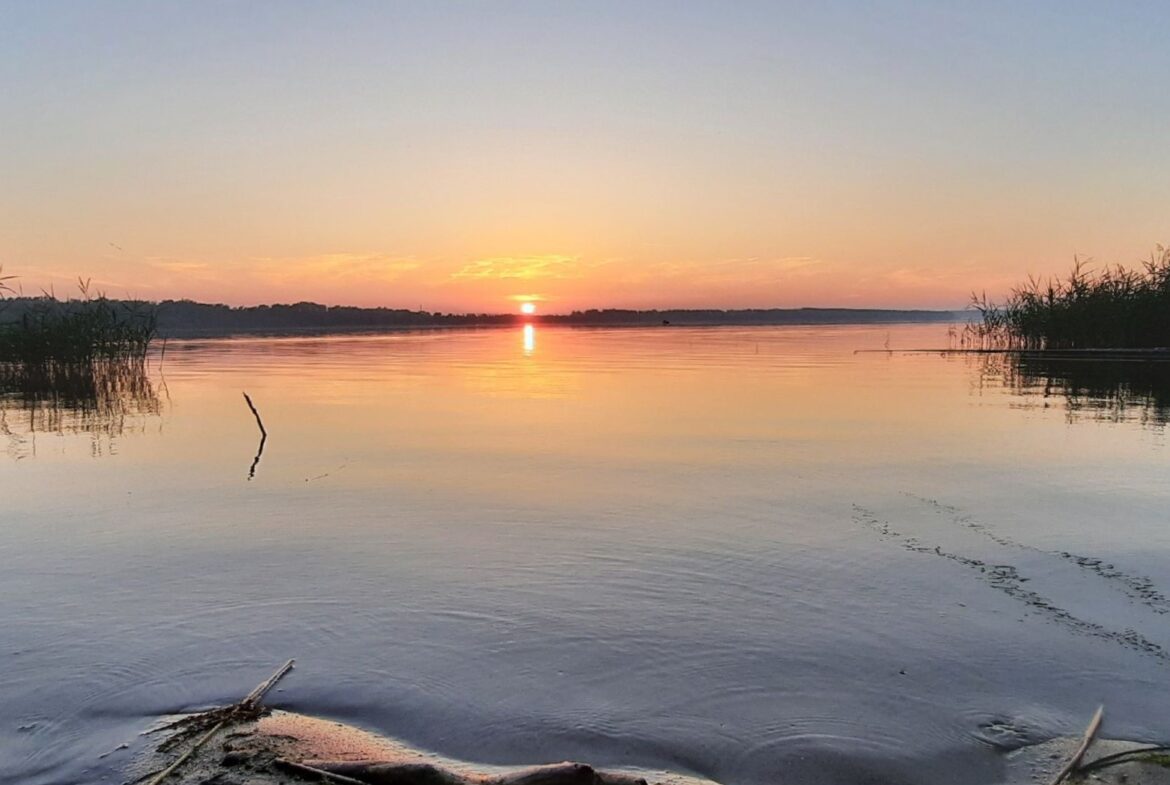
{"points": [[469, 156]]}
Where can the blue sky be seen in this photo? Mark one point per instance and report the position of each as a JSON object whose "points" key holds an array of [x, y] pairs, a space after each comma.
{"points": [[819, 153]]}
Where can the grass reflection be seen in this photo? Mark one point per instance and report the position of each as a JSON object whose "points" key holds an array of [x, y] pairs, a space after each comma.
{"points": [[1111, 390], [103, 399]]}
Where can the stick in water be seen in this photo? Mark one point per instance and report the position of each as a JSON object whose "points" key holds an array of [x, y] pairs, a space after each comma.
{"points": [[250, 702], [162, 775], [1075, 760], [257, 695], [311, 773], [263, 438], [256, 414]]}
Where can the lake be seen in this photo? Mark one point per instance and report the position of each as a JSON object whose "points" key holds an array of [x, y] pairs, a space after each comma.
{"points": [[750, 554]]}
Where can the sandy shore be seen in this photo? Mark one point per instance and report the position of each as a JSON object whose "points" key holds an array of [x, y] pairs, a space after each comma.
{"points": [[254, 753], [1041, 762]]}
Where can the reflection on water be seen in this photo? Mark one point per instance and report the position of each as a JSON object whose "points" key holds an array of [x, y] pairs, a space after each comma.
{"points": [[729, 551], [1111, 390], [529, 339], [103, 400]]}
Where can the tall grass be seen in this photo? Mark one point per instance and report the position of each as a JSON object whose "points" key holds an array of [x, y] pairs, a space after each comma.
{"points": [[82, 330], [1113, 308], [73, 365]]}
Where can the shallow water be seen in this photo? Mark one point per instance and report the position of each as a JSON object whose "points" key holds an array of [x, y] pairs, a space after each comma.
{"points": [[747, 554]]}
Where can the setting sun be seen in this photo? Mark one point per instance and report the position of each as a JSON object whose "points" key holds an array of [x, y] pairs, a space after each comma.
{"points": [[528, 308]]}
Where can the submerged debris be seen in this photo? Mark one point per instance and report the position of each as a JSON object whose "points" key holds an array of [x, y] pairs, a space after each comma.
{"points": [[208, 722], [259, 746]]}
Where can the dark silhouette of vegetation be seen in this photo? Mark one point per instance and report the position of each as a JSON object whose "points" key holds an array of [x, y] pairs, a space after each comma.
{"points": [[187, 318], [744, 316], [70, 366], [1114, 308], [39, 330]]}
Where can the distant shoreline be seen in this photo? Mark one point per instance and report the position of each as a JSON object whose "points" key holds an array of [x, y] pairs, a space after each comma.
{"points": [[185, 318], [507, 321]]}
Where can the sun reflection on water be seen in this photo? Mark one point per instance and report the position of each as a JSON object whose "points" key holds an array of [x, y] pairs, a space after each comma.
{"points": [[529, 338]]}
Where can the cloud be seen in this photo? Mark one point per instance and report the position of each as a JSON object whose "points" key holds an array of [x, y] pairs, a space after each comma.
{"points": [[369, 267], [925, 277], [738, 271], [521, 268], [182, 267]]}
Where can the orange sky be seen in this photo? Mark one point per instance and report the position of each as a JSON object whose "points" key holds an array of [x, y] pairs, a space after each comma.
{"points": [[462, 157]]}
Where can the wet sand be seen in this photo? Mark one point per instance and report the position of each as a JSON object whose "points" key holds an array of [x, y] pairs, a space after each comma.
{"points": [[255, 752]]}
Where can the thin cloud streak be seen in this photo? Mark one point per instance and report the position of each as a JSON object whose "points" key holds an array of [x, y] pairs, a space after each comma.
{"points": [[521, 267]]}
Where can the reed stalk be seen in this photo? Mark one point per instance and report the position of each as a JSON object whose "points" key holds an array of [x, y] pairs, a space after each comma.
{"points": [[1112, 308]]}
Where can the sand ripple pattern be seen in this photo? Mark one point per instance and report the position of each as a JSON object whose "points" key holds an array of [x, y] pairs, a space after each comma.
{"points": [[1008, 579], [1137, 587]]}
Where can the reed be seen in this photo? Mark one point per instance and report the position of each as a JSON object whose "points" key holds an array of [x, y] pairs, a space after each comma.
{"points": [[82, 330], [1113, 308]]}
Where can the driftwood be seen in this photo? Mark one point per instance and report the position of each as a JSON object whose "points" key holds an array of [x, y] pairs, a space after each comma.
{"points": [[1118, 758], [398, 773], [260, 756], [1082, 748], [256, 414], [162, 775], [210, 722], [257, 695], [314, 774]]}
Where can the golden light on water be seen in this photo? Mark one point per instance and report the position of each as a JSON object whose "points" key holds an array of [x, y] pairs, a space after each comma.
{"points": [[529, 338]]}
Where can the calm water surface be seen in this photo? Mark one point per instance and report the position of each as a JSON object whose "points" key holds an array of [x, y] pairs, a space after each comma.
{"points": [[750, 554]]}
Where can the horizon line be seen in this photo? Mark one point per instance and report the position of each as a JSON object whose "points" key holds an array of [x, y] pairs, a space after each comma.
{"points": [[422, 310]]}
